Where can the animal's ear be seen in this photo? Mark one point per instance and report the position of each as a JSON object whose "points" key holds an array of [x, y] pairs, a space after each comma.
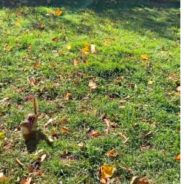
{"points": [[32, 118]]}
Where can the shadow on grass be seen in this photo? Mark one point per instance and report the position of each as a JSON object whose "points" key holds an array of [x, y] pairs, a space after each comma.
{"points": [[97, 5], [34, 140], [157, 16]]}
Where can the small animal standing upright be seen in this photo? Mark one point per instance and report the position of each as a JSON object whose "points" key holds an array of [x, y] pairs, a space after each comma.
{"points": [[29, 125]]}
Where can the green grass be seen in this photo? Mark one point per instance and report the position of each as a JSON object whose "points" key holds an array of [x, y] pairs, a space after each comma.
{"points": [[121, 36]]}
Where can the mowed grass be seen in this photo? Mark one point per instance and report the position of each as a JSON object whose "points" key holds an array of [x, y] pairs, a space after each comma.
{"points": [[139, 95]]}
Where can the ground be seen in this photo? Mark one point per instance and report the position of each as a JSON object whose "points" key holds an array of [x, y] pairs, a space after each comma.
{"points": [[121, 95]]}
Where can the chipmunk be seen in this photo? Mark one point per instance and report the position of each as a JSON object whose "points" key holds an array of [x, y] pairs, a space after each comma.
{"points": [[29, 125]]}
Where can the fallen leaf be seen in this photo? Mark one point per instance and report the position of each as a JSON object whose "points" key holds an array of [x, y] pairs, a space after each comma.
{"points": [[37, 64], [19, 162], [43, 157], [2, 135], [50, 121], [81, 145], [177, 157], [75, 62], [58, 12], [124, 137], [40, 26], [139, 180], [3, 178], [178, 89], [106, 172], [92, 85], [54, 135], [32, 81], [109, 124], [150, 82], [65, 130], [112, 153], [55, 39], [7, 145], [92, 48], [115, 180], [144, 147], [68, 96], [69, 47], [94, 133], [144, 57], [26, 180], [85, 50]]}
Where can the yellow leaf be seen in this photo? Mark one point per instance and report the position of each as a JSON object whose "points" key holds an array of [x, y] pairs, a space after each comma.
{"points": [[3, 179], [68, 96], [177, 157], [69, 47], [150, 82], [106, 172], [65, 130], [86, 49], [2, 135], [144, 57], [112, 153], [58, 12], [93, 48]]}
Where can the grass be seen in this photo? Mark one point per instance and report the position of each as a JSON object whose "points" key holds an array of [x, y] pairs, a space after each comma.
{"points": [[140, 96]]}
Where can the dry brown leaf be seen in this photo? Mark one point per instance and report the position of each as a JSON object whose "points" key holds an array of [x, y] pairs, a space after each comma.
{"points": [[32, 81], [94, 133], [65, 130], [124, 137], [110, 125], [54, 135], [107, 122], [40, 26], [177, 157], [55, 39], [112, 153], [7, 145], [37, 64], [68, 96], [144, 57], [92, 85], [64, 121], [26, 180], [106, 172], [19, 162], [139, 180], [58, 12], [75, 62]]}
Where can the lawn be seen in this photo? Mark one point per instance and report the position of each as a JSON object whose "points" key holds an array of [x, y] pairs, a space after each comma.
{"points": [[106, 78]]}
